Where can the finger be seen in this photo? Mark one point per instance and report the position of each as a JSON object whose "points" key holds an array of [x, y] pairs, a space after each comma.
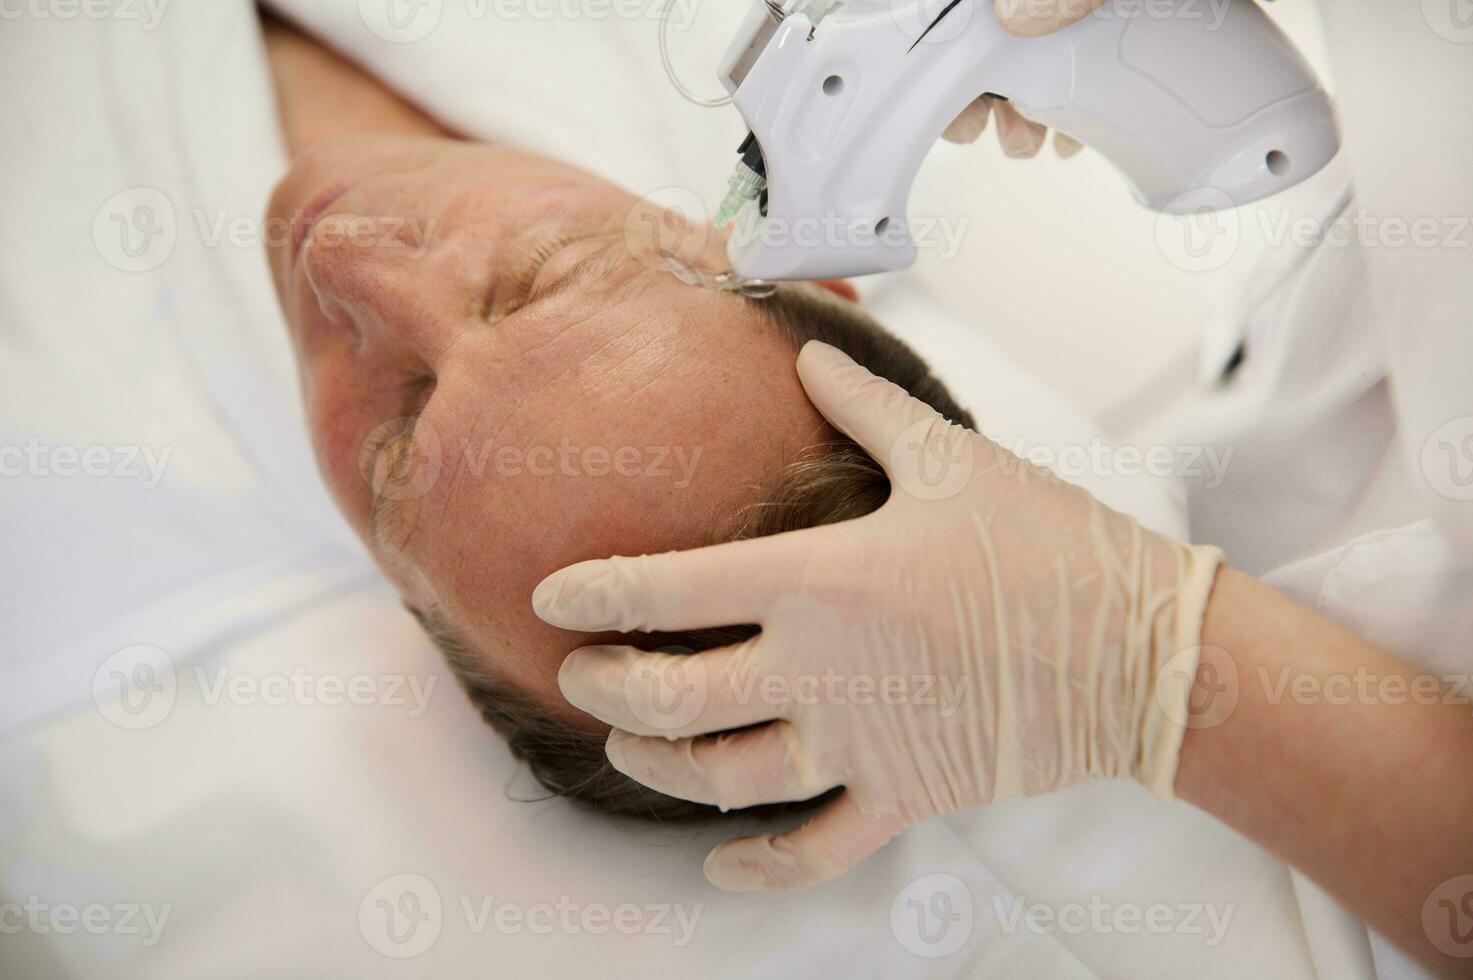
{"points": [[1065, 145], [827, 846], [868, 409], [722, 585], [730, 771], [1035, 18], [967, 126], [1019, 138], [665, 694]]}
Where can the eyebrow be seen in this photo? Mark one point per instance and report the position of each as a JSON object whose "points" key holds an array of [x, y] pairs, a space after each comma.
{"points": [[598, 260]]}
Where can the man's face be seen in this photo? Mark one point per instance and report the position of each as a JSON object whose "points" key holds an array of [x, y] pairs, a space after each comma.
{"points": [[497, 387]]}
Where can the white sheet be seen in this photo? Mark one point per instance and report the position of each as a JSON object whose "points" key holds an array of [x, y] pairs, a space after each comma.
{"points": [[267, 829]]}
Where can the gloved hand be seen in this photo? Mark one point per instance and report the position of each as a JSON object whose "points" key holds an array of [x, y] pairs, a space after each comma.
{"points": [[1017, 136], [989, 632]]}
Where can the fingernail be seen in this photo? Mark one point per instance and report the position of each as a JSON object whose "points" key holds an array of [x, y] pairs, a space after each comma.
{"points": [[732, 874], [614, 749], [824, 355], [569, 598], [581, 675]]}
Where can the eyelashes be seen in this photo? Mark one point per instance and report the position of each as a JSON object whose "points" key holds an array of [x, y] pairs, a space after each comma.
{"points": [[523, 285]]}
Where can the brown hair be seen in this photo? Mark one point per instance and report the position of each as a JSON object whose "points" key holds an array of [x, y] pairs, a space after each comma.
{"points": [[826, 484]]}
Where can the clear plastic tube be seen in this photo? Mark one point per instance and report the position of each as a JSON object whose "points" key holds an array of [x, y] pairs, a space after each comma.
{"points": [[670, 72]]}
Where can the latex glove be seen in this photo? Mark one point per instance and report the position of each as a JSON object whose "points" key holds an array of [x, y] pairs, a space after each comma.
{"points": [[1017, 136], [989, 632]]}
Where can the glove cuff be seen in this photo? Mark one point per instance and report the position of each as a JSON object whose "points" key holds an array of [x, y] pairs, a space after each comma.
{"points": [[1175, 654]]}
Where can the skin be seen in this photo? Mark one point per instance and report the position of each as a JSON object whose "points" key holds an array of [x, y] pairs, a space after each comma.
{"points": [[1371, 798], [492, 296]]}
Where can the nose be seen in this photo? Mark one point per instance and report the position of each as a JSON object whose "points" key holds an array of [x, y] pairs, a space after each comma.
{"points": [[373, 273]]}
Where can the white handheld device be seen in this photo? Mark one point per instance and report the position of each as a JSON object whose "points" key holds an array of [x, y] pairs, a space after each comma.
{"points": [[1199, 104]]}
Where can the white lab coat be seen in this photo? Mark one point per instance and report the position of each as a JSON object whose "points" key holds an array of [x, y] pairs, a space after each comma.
{"points": [[1350, 418]]}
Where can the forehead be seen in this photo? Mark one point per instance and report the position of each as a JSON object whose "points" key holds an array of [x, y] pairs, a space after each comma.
{"points": [[642, 427]]}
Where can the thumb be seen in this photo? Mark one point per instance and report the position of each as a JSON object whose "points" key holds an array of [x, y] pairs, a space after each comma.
{"points": [[921, 451], [835, 840], [1035, 18]]}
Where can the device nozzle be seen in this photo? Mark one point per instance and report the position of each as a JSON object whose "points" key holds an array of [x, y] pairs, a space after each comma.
{"points": [[746, 185]]}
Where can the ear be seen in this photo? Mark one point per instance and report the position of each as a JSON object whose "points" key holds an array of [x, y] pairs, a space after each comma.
{"points": [[842, 288]]}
